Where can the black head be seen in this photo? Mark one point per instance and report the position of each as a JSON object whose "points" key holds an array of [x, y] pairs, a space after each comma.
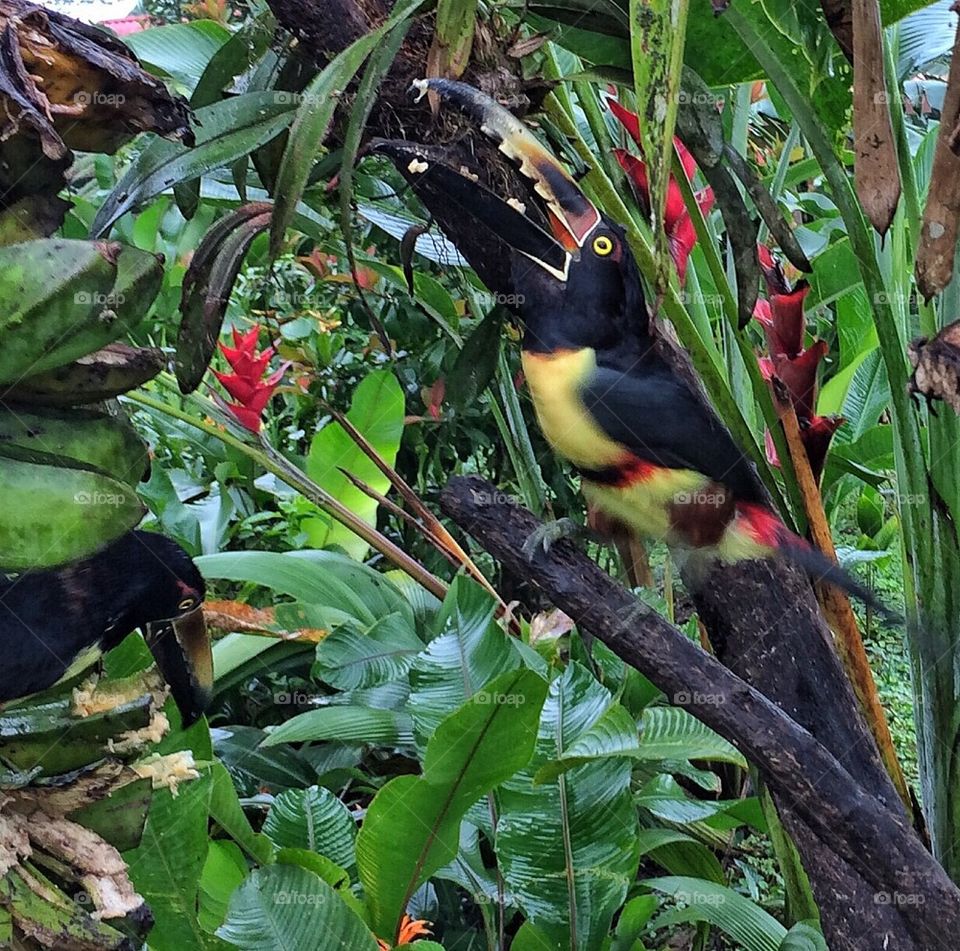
{"points": [[575, 281], [163, 579], [159, 590], [600, 303]]}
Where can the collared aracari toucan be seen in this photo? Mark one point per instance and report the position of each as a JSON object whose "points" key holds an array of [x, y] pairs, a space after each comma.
{"points": [[651, 454], [50, 618]]}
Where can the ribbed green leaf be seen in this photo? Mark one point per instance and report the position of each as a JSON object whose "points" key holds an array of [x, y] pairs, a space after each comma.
{"points": [[283, 907], [181, 50], [588, 807], [750, 927], [348, 724], [680, 854], [803, 937], [350, 658], [470, 651], [672, 733], [613, 734], [313, 819], [318, 578]]}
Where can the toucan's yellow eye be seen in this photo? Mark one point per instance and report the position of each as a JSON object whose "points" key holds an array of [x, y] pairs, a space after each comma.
{"points": [[602, 245], [186, 604]]}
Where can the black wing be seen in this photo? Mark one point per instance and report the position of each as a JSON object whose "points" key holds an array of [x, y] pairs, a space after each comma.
{"points": [[656, 417]]}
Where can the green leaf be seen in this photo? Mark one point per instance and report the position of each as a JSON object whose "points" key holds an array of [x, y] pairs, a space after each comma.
{"points": [[748, 925], [667, 800], [313, 819], [803, 936], [673, 733], [657, 35], [283, 907], [181, 50], [376, 411], [325, 579], [349, 658], [236, 56], [253, 768], [226, 131], [471, 650], [568, 849], [224, 870], [175, 838], [226, 811], [346, 724], [476, 362], [614, 733], [633, 920], [415, 820], [453, 39], [681, 854]]}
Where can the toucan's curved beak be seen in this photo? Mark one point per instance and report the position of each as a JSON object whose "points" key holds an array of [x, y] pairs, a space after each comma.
{"points": [[181, 648], [571, 216]]}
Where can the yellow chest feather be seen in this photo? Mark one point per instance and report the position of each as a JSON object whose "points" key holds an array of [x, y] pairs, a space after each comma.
{"points": [[555, 380]]}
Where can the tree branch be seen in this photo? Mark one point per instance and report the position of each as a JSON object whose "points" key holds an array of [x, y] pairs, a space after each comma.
{"points": [[873, 839]]}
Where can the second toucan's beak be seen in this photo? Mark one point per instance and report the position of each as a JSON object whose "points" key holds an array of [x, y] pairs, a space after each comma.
{"points": [[571, 216], [181, 648]]}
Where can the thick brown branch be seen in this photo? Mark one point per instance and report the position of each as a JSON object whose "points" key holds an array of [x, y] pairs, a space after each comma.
{"points": [[876, 841]]}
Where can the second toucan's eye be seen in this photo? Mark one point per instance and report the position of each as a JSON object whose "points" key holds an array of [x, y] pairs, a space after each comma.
{"points": [[602, 245]]}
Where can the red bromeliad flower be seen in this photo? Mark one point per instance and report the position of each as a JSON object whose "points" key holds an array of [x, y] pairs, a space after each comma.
{"points": [[677, 221], [247, 385], [781, 317]]}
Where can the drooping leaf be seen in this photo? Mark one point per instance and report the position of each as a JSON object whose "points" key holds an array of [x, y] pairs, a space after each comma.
{"points": [[736, 916], [226, 131], [348, 724]]}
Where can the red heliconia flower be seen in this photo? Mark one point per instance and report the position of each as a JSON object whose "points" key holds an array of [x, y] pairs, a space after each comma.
{"points": [[816, 434], [677, 221], [781, 317], [247, 385], [799, 376]]}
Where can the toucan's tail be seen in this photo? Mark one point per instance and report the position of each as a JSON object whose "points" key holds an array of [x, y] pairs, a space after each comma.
{"points": [[820, 568], [768, 530]]}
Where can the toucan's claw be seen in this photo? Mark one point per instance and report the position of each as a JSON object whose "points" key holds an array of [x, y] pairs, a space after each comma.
{"points": [[546, 535]]}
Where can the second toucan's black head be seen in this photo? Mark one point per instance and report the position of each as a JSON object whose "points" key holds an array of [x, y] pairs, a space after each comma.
{"points": [[142, 581], [574, 278], [161, 593]]}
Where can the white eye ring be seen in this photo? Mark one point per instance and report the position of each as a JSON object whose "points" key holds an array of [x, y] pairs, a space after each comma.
{"points": [[186, 604], [602, 245]]}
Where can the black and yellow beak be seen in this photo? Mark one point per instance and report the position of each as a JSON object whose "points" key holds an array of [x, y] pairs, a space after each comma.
{"points": [[181, 648], [570, 215]]}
